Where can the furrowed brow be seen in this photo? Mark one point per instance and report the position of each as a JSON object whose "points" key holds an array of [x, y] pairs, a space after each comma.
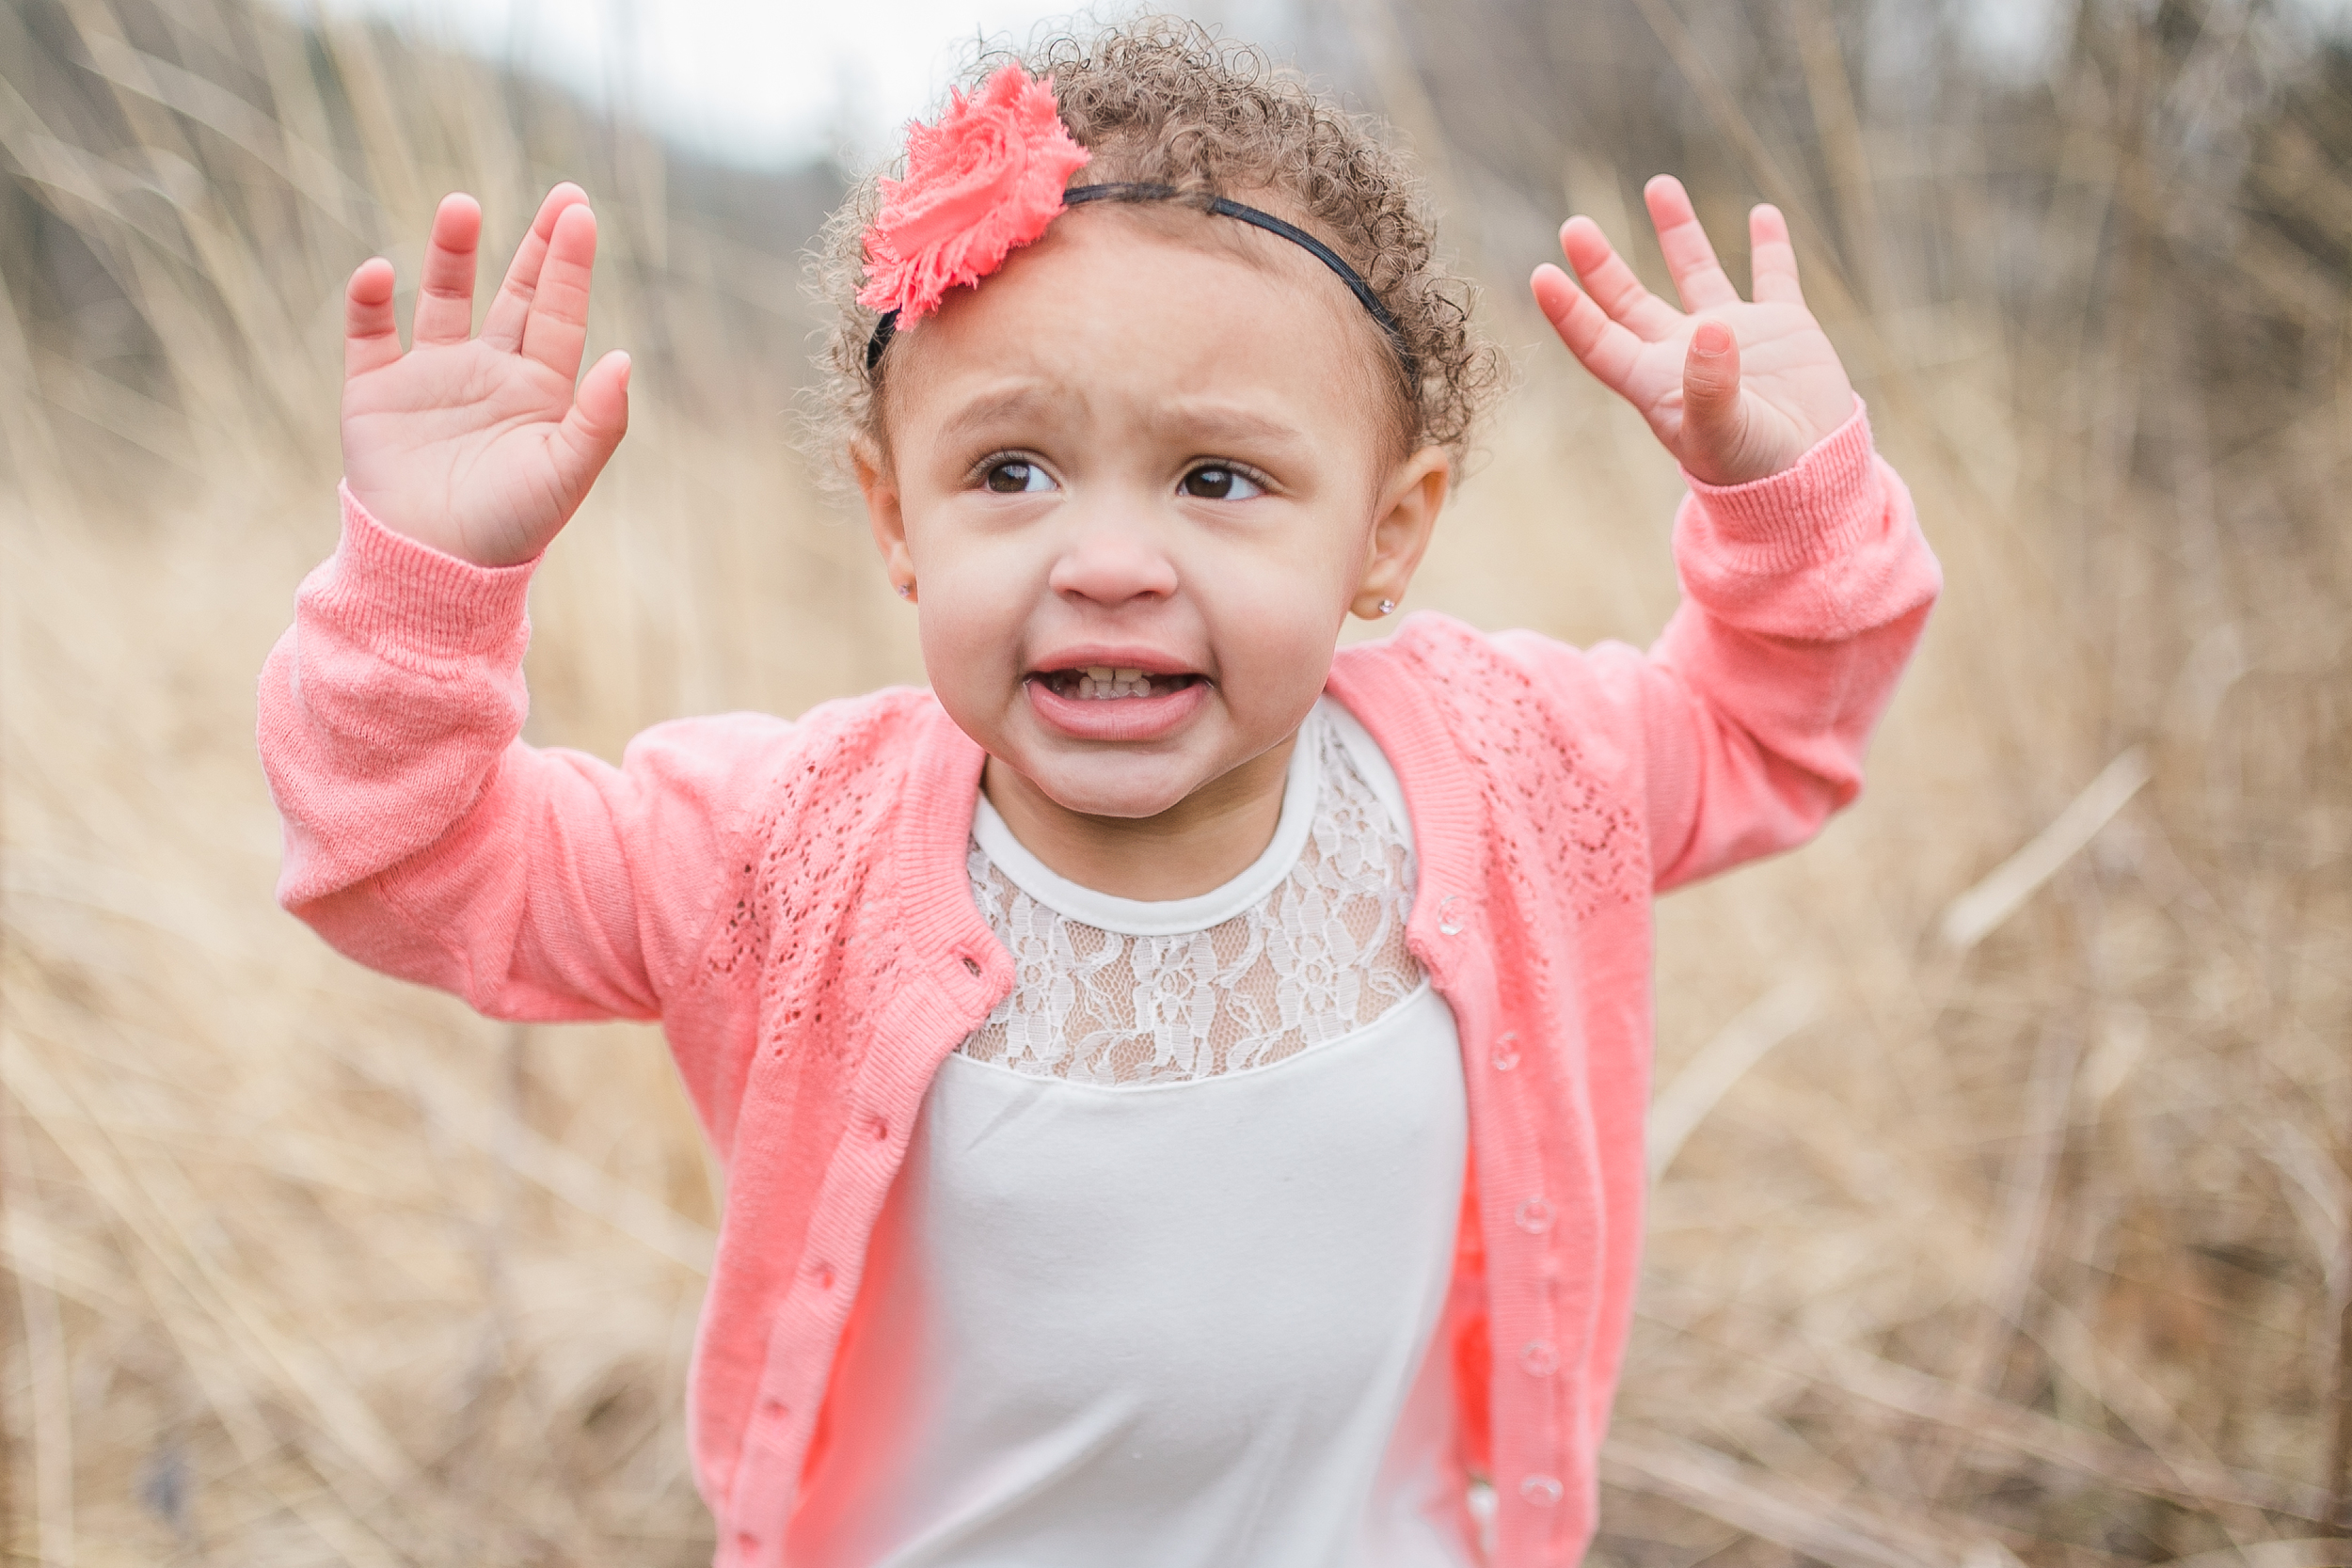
{"points": [[995, 407], [1220, 425]]}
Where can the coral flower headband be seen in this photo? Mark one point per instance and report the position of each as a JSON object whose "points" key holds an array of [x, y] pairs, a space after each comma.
{"points": [[989, 178]]}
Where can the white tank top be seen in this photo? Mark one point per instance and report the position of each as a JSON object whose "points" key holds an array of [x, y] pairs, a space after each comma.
{"points": [[1168, 1323]]}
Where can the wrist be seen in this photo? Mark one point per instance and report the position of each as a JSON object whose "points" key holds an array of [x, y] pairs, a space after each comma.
{"points": [[1759, 442], [410, 589], [1815, 507], [426, 517]]}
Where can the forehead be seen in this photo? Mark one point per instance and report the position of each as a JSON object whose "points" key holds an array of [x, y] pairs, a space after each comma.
{"points": [[1133, 304]]}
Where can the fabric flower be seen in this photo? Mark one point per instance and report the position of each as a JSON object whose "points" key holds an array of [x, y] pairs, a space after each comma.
{"points": [[986, 178]]}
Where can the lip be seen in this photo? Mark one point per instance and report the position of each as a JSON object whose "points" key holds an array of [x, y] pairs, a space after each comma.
{"points": [[1119, 717], [1079, 656]]}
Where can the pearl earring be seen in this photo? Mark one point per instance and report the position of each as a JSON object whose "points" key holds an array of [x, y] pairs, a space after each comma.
{"points": [[1388, 607], [906, 590]]}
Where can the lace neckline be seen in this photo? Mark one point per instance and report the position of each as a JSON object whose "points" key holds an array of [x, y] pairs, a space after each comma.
{"points": [[1138, 917], [1304, 949]]}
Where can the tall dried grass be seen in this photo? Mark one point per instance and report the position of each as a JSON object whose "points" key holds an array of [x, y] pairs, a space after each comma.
{"points": [[1990, 1223]]}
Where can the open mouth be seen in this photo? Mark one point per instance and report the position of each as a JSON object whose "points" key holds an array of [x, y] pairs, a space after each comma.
{"points": [[1111, 683]]}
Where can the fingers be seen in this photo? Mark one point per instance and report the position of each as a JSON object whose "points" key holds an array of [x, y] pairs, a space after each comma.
{"points": [[599, 420], [1773, 258], [1611, 282], [1606, 348], [557, 327], [445, 295], [511, 311], [370, 331], [1711, 413], [1699, 278]]}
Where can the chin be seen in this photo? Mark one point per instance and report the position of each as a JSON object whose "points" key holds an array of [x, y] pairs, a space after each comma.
{"points": [[1117, 787]]}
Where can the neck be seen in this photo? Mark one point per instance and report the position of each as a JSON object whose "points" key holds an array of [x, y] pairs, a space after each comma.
{"points": [[1195, 847]]}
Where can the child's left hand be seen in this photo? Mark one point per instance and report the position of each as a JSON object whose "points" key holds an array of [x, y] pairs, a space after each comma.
{"points": [[1738, 391]]}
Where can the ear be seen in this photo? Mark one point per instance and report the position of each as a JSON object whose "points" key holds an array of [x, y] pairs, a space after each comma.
{"points": [[1403, 519], [884, 514]]}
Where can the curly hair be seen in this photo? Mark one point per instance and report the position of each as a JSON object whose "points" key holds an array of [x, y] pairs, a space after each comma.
{"points": [[1162, 100]]}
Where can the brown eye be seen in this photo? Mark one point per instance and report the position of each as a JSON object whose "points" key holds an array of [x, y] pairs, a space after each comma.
{"points": [[1213, 482], [1014, 475]]}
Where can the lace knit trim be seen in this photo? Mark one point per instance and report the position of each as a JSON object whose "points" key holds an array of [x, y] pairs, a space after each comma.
{"points": [[1320, 956]]}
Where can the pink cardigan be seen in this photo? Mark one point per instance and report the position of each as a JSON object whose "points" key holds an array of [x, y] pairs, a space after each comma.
{"points": [[790, 900]]}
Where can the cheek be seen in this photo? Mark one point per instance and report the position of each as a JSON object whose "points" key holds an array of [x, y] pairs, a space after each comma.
{"points": [[1284, 618], [971, 604]]}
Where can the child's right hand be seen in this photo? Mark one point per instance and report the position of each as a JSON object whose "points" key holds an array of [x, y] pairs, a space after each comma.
{"points": [[480, 447]]}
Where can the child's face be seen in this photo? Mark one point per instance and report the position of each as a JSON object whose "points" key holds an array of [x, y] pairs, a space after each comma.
{"points": [[1135, 449]]}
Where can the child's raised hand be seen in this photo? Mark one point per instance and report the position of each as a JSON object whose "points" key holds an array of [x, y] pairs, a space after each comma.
{"points": [[481, 447], [1736, 390]]}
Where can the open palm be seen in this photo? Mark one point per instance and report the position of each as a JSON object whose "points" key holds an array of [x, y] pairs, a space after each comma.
{"points": [[1736, 389], [480, 446]]}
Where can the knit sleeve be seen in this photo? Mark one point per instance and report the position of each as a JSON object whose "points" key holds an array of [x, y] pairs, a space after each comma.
{"points": [[1804, 596], [424, 839]]}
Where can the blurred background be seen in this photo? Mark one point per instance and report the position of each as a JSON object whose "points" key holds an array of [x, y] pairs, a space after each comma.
{"points": [[2002, 1139]]}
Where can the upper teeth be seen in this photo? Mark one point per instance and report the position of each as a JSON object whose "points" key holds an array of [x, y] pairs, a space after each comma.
{"points": [[1107, 680]]}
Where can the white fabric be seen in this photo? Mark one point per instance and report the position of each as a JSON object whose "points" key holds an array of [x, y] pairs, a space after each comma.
{"points": [[1170, 1320], [1305, 945]]}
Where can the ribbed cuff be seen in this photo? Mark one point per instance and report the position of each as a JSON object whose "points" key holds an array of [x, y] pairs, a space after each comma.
{"points": [[1818, 510], [388, 586]]}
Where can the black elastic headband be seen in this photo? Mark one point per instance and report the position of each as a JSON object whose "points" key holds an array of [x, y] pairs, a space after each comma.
{"points": [[1128, 191]]}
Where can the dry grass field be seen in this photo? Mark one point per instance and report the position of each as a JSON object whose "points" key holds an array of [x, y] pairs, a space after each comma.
{"points": [[2003, 1138]]}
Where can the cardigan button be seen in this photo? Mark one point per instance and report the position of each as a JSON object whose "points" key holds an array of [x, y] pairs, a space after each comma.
{"points": [[1543, 1491], [1450, 915], [747, 1546], [822, 1275], [1506, 1053], [880, 1127], [1534, 1216], [1538, 1359]]}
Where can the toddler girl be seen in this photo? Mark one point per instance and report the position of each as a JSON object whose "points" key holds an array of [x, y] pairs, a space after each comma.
{"points": [[1181, 1090]]}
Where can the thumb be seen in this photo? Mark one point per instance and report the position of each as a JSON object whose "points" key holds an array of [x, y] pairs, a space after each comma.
{"points": [[597, 421], [1713, 419]]}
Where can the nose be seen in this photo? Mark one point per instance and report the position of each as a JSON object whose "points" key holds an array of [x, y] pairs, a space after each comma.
{"points": [[1111, 560]]}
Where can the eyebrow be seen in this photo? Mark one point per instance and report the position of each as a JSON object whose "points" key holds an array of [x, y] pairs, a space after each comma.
{"points": [[1225, 421], [1209, 421], [996, 405]]}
